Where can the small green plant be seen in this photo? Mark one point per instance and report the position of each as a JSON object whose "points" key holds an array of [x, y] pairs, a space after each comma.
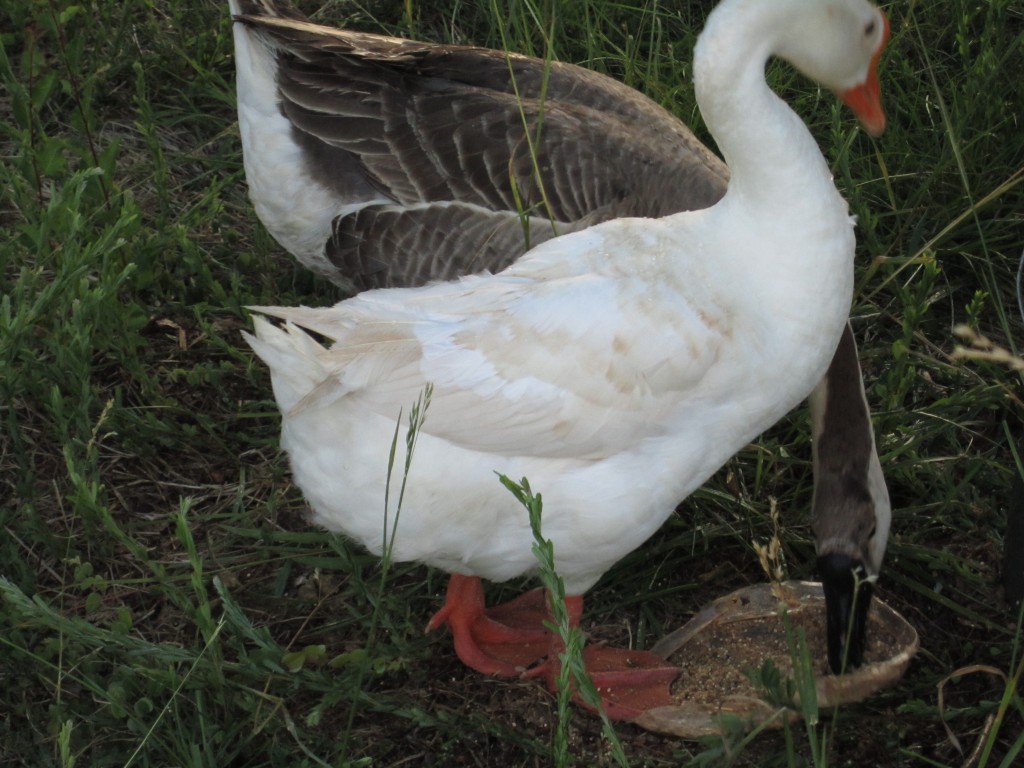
{"points": [[572, 674], [364, 659]]}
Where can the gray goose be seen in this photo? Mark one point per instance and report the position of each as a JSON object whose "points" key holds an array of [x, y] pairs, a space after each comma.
{"points": [[381, 162]]}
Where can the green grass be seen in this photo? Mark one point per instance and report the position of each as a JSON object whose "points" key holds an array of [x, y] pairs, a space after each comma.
{"points": [[163, 601]]}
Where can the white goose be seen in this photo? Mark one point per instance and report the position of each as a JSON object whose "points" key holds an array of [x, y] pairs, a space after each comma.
{"points": [[616, 367]]}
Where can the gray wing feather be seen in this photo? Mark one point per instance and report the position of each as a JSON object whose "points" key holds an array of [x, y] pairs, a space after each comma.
{"points": [[465, 131]]}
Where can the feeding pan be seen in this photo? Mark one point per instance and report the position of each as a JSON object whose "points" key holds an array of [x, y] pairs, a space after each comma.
{"points": [[739, 631]]}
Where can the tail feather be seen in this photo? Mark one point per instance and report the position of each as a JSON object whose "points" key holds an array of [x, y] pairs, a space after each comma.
{"points": [[325, 321], [294, 359]]}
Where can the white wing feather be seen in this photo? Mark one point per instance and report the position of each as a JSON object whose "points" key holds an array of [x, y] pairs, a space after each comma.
{"points": [[518, 366]]}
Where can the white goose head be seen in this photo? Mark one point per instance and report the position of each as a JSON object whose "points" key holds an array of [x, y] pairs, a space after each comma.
{"points": [[838, 43]]}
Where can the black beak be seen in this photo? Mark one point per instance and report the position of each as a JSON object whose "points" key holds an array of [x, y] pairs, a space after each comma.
{"points": [[847, 597]]}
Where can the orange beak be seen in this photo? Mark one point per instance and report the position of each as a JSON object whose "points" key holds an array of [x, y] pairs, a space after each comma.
{"points": [[866, 99]]}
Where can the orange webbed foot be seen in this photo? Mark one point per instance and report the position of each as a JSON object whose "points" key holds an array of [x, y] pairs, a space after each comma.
{"points": [[503, 640]]}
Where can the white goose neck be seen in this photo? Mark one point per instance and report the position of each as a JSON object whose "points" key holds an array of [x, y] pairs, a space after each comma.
{"points": [[782, 234], [767, 147]]}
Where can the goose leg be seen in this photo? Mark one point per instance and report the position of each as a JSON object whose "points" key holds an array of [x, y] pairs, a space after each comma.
{"points": [[503, 640], [511, 640]]}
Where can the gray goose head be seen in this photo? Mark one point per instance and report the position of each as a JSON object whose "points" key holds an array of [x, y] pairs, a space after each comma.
{"points": [[851, 511], [422, 156]]}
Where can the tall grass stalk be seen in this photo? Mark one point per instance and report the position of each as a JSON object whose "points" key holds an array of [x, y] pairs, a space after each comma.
{"points": [[417, 417], [573, 678]]}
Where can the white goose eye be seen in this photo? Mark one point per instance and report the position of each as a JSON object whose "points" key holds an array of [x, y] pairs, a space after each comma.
{"points": [[869, 30]]}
